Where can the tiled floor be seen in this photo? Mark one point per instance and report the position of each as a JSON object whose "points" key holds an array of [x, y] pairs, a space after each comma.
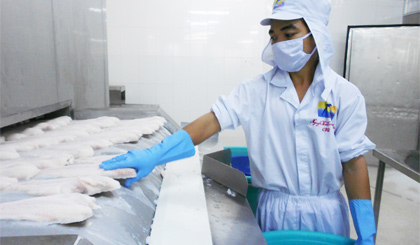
{"points": [[399, 217]]}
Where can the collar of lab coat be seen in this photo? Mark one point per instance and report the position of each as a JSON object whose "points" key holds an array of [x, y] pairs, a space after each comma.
{"points": [[322, 82]]}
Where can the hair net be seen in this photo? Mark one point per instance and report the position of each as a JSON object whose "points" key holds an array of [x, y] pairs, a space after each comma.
{"points": [[316, 15]]}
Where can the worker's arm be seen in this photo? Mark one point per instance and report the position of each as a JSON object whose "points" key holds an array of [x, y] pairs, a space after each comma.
{"points": [[356, 178], [202, 128], [356, 181], [174, 147]]}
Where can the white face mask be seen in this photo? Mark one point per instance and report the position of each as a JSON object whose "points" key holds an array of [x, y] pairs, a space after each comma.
{"points": [[287, 55]]}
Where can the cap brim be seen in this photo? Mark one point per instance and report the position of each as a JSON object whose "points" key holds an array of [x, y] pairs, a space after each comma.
{"points": [[280, 16]]}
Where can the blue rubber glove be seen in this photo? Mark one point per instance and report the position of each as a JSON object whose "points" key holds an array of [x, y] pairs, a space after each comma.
{"points": [[364, 220], [176, 146]]}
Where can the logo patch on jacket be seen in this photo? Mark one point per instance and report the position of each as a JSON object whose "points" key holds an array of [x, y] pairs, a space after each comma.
{"points": [[326, 110]]}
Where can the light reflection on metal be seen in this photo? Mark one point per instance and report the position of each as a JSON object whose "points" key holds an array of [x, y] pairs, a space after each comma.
{"points": [[98, 40], [96, 10]]}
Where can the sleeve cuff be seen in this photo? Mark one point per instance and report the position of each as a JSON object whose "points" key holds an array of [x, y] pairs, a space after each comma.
{"points": [[361, 149]]}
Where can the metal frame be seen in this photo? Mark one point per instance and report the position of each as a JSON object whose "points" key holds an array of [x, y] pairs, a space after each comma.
{"points": [[396, 159]]}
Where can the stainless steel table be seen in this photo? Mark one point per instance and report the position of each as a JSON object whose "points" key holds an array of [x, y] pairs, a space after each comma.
{"points": [[405, 161]]}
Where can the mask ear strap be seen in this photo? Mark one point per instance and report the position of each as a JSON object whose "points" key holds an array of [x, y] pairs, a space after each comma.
{"points": [[313, 51], [267, 55], [307, 35]]}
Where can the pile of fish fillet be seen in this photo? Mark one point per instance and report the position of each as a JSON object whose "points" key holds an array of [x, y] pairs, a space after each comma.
{"points": [[54, 162]]}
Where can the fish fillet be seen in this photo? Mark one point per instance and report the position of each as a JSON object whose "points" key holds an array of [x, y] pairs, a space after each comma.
{"points": [[89, 185], [116, 137], [26, 133], [102, 122], [77, 150], [32, 131], [21, 171], [42, 161], [15, 136], [95, 143], [64, 150], [62, 209], [95, 160], [78, 170], [54, 123], [6, 181], [8, 153], [19, 146], [156, 119]]}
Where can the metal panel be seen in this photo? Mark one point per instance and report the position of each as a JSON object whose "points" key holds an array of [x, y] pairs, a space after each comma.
{"points": [[383, 62], [52, 51], [80, 35], [224, 174], [27, 56], [231, 219]]}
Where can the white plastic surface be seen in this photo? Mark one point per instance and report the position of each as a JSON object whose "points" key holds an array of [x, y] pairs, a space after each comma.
{"points": [[181, 213]]}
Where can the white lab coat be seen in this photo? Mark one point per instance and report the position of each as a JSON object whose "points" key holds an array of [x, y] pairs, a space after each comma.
{"points": [[296, 148]]}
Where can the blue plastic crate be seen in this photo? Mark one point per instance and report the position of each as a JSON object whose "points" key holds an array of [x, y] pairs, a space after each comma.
{"points": [[238, 150], [241, 163]]}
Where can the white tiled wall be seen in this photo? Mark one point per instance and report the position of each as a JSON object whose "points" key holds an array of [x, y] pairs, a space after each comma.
{"points": [[183, 54]]}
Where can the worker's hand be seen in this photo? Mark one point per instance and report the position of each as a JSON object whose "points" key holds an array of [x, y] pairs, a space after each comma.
{"points": [[364, 220], [174, 147], [144, 161]]}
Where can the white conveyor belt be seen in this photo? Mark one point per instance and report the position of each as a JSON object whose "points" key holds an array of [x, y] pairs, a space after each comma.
{"points": [[181, 213]]}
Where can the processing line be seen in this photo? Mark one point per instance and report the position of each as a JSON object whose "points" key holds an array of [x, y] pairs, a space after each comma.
{"points": [[180, 203]]}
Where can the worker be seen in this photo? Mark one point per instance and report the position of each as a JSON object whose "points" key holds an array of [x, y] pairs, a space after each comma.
{"points": [[304, 126]]}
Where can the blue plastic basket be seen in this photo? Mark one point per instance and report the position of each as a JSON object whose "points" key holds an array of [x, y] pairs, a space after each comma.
{"points": [[305, 238], [238, 150]]}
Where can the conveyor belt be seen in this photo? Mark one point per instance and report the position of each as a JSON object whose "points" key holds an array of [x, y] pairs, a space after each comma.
{"points": [[125, 216]]}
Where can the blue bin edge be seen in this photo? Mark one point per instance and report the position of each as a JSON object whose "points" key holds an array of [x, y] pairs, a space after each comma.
{"points": [[305, 237]]}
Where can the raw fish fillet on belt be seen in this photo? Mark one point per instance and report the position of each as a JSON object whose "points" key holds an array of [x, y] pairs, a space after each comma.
{"points": [[102, 122], [20, 171], [6, 181], [81, 127], [78, 170], [40, 141], [89, 185], [130, 130], [75, 149], [8, 153], [116, 137], [54, 123], [42, 161], [62, 209], [96, 159], [159, 120], [94, 143]]}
